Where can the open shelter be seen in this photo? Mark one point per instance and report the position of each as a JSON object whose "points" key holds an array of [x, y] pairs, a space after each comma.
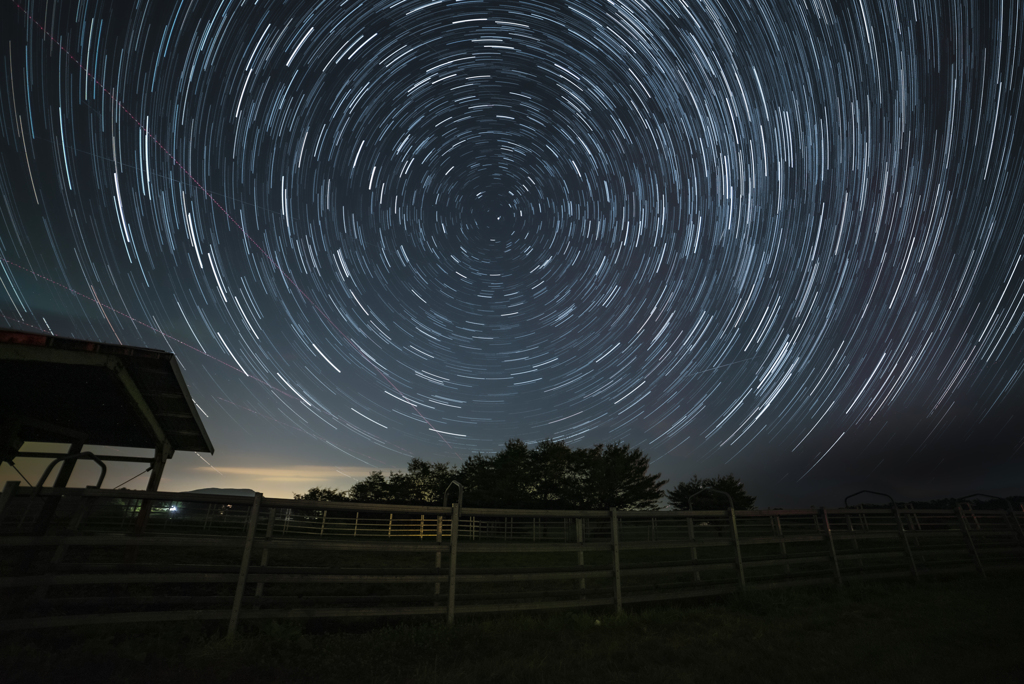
{"points": [[62, 390]]}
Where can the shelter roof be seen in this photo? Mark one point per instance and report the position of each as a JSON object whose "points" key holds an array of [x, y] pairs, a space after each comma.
{"points": [[67, 390]]}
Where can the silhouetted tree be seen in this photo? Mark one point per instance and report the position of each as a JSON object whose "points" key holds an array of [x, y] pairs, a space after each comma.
{"points": [[375, 488], [322, 494], [500, 481], [423, 484], [427, 481], [707, 501], [319, 494], [550, 475], [613, 475]]}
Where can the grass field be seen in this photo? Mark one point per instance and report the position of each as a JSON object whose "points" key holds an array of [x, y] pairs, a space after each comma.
{"points": [[953, 630]]}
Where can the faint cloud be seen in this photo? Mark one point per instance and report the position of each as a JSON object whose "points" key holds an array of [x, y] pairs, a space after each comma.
{"points": [[307, 475]]}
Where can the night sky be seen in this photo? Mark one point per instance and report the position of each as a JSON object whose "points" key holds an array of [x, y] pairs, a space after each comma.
{"points": [[780, 239]]}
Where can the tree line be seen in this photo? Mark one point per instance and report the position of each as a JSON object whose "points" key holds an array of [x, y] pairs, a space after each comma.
{"points": [[548, 475]]}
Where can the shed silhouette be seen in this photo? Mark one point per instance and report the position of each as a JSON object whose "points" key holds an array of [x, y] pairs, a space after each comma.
{"points": [[62, 390]]}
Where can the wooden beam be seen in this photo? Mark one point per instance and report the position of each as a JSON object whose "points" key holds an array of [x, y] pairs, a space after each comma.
{"points": [[50, 455], [452, 558], [616, 571], [243, 572], [831, 547], [10, 487], [141, 405], [739, 555]]}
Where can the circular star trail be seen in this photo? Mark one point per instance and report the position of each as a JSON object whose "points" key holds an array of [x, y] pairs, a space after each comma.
{"points": [[781, 239]]}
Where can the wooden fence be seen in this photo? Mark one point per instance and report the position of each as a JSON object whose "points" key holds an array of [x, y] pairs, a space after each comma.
{"points": [[86, 556]]}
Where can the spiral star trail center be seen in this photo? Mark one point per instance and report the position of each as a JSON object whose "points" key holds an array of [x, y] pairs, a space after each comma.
{"points": [[782, 240]]}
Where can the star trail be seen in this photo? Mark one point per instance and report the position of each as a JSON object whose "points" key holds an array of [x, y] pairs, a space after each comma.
{"points": [[778, 239]]}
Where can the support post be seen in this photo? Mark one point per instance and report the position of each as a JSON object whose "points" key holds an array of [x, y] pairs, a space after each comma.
{"points": [[452, 558], [739, 555], [915, 523], [777, 525], [437, 558], [974, 516], [906, 542], [616, 572], [10, 442], [163, 452], [856, 546], [1012, 523], [831, 547], [693, 549], [970, 542], [243, 571], [63, 477], [10, 487], [58, 554], [265, 556], [579, 554]]}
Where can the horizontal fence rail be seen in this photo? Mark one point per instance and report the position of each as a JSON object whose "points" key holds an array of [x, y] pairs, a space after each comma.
{"points": [[88, 556]]}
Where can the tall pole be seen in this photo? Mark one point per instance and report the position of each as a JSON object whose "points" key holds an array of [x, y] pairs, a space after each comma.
{"points": [[616, 572], [452, 558]]}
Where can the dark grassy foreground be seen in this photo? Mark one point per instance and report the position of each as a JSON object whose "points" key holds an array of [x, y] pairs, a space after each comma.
{"points": [[955, 630]]}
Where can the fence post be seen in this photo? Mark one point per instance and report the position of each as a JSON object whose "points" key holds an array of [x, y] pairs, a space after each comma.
{"points": [[970, 542], [50, 503], [831, 546], [452, 557], [265, 556], [906, 542], [76, 520], [782, 540], [7, 496], [355, 526], [243, 571], [616, 573], [856, 546], [693, 549], [437, 557], [1011, 523], [974, 516], [915, 524], [736, 540], [579, 554], [422, 518], [391, 518]]}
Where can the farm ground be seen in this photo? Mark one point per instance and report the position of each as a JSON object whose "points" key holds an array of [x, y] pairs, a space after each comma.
{"points": [[951, 630]]}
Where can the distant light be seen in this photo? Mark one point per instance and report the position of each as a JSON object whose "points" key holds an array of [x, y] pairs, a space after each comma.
{"points": [[173, 508]]}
